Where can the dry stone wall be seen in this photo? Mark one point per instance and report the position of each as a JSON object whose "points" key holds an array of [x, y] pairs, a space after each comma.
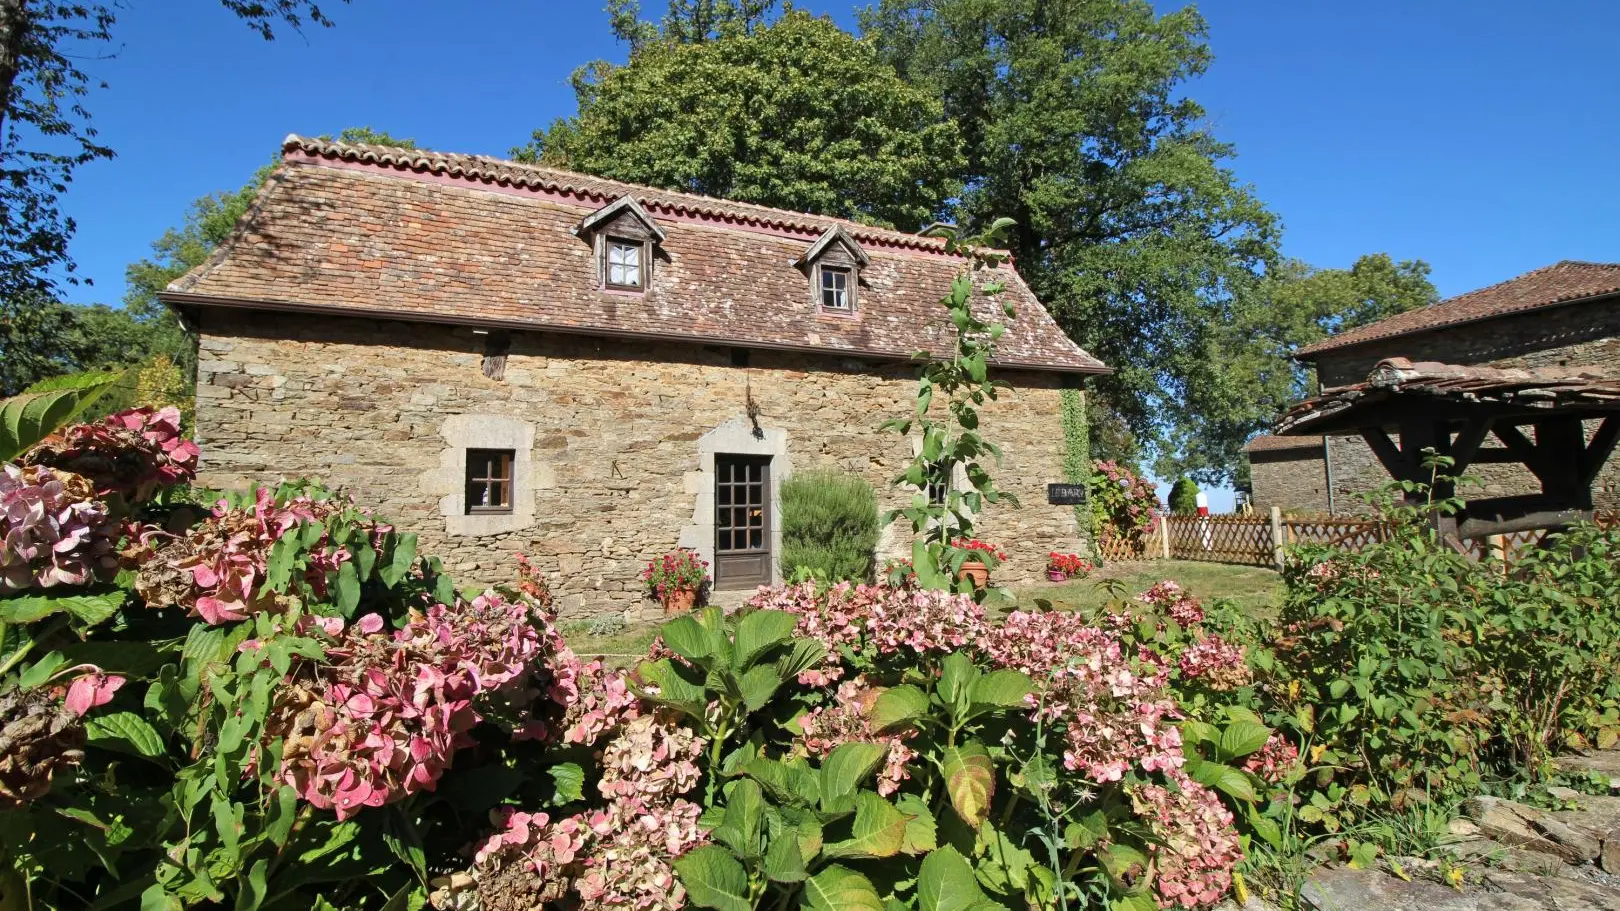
{"points": [[1290, 479], [614, 472]]}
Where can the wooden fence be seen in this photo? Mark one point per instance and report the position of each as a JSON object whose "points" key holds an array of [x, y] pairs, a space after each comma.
{"points": [[1259, 540]]}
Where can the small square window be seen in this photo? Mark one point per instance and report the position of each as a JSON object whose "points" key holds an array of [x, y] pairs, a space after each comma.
{"points": [[489, 481], [834, 288], [624, 265], [939, 486]]}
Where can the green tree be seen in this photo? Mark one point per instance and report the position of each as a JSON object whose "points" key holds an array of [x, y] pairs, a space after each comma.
{"points": [[688, 21], [45, 128], [1184, 497], [48, 338], [795, 113], [1309, 304], [208, 224], [1131, 227]]}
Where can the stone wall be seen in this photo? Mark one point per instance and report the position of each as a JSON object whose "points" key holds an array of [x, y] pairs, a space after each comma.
{"points": [[1291, 479], [616, 438], [1578, 335]]}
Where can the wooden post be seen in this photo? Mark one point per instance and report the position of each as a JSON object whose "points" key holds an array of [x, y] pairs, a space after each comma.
{"points": [[1277, 550], [1164, 535], [1496, 548]]}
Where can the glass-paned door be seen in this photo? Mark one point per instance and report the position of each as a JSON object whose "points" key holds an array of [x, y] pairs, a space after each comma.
{"points": [[742, 521]]}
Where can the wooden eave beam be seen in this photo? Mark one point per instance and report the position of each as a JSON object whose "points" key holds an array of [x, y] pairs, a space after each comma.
{"points": [[1397, 463]]}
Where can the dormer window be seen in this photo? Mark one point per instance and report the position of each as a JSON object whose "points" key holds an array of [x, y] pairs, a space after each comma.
{"points": [[624, 262], [833, 264], [835, 288], [623, 237]]}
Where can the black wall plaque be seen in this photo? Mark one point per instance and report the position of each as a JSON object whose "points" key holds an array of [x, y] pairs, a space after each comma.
{"points": [[1066, 494]]}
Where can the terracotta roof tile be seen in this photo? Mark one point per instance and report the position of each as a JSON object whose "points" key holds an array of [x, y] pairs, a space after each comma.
{"points": [[1556, 284], [412, 234], [1517, 392]]}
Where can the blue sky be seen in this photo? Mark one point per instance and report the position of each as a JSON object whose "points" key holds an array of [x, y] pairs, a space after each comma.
{"points": [[1478, 136]]}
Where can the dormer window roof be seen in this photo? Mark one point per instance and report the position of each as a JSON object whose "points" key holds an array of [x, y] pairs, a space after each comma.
{"points": [[835, 240], [623, 235], [619, 214]]}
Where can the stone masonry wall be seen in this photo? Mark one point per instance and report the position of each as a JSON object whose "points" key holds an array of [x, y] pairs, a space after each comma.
{"points": [[1578, 335], [1290, 479], [617, 432]]}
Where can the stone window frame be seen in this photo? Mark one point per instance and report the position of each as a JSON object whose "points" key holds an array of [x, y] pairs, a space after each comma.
{"points": [[461, 434], [735, 436]]}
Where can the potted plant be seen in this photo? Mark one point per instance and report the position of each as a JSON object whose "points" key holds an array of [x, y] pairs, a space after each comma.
{"points": [[982, 555], [675, 580], [1063, 567]]}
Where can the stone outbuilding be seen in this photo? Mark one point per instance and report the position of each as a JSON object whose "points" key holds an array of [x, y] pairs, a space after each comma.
{"points": [[505, 358], [1287, 472], [1563, 315]]}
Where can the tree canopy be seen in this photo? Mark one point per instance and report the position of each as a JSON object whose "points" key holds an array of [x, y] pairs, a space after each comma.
{"points": [[794, 113], [44, 338], [46, 132]]}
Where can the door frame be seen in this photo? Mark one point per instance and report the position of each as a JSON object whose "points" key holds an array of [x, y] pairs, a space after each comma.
{"points": [[768, 549], [734, 436]]}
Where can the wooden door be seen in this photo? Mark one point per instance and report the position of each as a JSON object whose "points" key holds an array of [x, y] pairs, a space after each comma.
{"points": [[742, 521]]}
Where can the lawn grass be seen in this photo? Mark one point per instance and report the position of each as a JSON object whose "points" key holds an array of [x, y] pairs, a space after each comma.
{"points": [[1257, 590], [619, 648]]}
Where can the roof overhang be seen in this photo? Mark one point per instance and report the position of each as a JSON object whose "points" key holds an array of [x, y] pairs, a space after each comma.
{"points": [[182, 299]]}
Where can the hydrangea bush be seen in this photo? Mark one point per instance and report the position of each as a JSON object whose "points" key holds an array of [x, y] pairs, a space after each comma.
{"points": [[277, 702]]}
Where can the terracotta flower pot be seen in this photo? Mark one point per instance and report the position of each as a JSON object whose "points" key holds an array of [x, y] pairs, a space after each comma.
{"points": [[978, 572], [1057, 575], [680, 601]]}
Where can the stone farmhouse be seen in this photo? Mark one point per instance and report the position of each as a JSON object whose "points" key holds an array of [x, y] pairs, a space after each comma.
{"points": [[508, 359], [1563, 315]]}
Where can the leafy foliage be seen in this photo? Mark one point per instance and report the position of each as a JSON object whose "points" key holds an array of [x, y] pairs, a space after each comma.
{"points": [[1122, 505], [796, 114], [1417, 672], [829, 525], [1184, 497], [47, 131], [960, 380], [26, 419]]}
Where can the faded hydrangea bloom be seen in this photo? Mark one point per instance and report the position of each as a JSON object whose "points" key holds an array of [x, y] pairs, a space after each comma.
{"points": [[52, 530], [131, 454], [383, 716]]}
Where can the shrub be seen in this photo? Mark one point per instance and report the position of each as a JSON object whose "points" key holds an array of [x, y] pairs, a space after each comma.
{"points": [[1184, 498], [829, 526], [1123, 504], [1416, 671]]}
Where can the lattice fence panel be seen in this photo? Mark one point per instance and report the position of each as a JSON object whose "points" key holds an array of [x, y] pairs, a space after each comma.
{"points": [[1114, 549], [1515, 545], [1222, 539], [1349, 534]]}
